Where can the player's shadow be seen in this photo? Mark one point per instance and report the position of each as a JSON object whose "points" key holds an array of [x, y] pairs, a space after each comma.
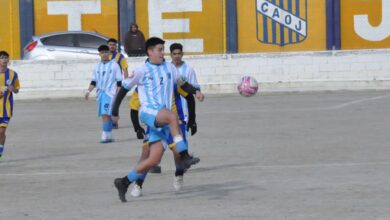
{"points": [[212, 191], [222, 167]]}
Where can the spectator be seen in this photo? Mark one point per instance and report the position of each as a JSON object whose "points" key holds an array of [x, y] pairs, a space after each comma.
{"points": [[134, 41]]}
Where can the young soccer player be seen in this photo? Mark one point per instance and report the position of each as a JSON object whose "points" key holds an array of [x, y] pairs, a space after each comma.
{"points": [[178, 180], [121, 61], [155, 80], [189, 75], [184, 106], [9, 84], [107, 78]]}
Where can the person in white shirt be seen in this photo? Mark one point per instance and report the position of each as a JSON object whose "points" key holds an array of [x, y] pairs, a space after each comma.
{"points": [[106, 78]]}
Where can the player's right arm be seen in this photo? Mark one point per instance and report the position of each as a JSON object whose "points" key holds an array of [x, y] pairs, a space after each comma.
{"points": [[92, 85], [90, 88]]}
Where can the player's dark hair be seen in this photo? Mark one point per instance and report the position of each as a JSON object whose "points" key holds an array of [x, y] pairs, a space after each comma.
{"points": [[103, 48], [112, 40], [176, 46], [4, 54], [152, 42]]}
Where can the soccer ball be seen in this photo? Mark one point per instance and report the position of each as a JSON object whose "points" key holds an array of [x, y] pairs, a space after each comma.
{"points": [[248, 86]]}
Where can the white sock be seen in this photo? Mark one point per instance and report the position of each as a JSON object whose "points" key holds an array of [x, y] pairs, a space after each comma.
{"points": [[178, 138]]}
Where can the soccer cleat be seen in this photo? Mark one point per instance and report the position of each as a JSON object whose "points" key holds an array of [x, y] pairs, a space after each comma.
{"points": [[178, 182], [188, 161], [155, 169], [136, 191], [106, 140], [122, 189]]}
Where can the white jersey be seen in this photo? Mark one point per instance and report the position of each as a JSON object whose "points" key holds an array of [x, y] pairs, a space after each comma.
{"points": [[188, 74], [106, 76], [155, 84]]}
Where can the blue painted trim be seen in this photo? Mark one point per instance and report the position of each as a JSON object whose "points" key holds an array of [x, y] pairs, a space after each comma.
{"points": [[127, 16], [26, 19], [231, 26], [329, 25], [333, 25], [337, 24]]}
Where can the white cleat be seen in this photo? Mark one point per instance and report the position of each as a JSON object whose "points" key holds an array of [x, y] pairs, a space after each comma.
{"points": [[178, 182], [136, 191]]}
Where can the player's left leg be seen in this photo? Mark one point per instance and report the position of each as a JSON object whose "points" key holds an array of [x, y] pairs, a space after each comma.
{"points": [[155, 154], [136, 191], [2, 140], [167, 117], [115, 120], [107, 129], [3, 127]]}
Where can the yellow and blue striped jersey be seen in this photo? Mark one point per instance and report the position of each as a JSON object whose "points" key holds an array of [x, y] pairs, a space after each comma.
{"points": [[10, 77], [119, 59], [177, 105]]}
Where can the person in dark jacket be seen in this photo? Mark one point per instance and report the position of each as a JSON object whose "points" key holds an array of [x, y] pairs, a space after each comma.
{"points": [[134, 41]]}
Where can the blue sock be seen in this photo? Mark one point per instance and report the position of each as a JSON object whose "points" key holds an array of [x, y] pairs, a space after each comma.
{"points": [[107, 126], [181, 146], [1, 149], [134, 176]]}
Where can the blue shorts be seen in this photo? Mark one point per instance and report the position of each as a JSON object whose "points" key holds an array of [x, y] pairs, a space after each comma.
{"points": [[169, 141], [154, 132], [104, 104], [4, 122], [149, 117]]}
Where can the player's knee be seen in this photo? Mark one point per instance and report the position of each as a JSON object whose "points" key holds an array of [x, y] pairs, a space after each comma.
{"points": [[154, 161], [172, 117]]}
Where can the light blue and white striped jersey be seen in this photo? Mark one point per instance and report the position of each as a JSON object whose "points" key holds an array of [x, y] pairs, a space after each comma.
{"points": [[106, 76], [155, 84], [188, 74]]}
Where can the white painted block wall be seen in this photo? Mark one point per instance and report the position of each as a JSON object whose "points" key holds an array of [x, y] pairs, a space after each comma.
{"points": [[298, 71]]}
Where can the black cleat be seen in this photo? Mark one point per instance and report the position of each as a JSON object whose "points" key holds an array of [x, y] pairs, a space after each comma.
{"points": [[189, 161], [155, 169], [115, 126], [122, 189]]}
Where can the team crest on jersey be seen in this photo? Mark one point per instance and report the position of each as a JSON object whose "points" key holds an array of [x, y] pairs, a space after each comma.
{"points": [[281, 22]]}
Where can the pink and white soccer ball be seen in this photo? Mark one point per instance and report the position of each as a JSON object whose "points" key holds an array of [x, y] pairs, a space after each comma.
{"points": [[248, 86]]}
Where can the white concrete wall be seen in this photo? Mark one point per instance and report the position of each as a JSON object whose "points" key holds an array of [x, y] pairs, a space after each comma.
{"points": [[343, 70]]}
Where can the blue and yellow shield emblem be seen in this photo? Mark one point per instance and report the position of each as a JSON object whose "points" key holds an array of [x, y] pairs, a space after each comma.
{"points": [[281, 22]]}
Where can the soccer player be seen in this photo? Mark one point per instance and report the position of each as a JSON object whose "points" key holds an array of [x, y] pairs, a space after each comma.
{"points": [[180, 169], [155, 80], [188, 74], [184, 106], [9, 84], [107, 78], [121, 61]]}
